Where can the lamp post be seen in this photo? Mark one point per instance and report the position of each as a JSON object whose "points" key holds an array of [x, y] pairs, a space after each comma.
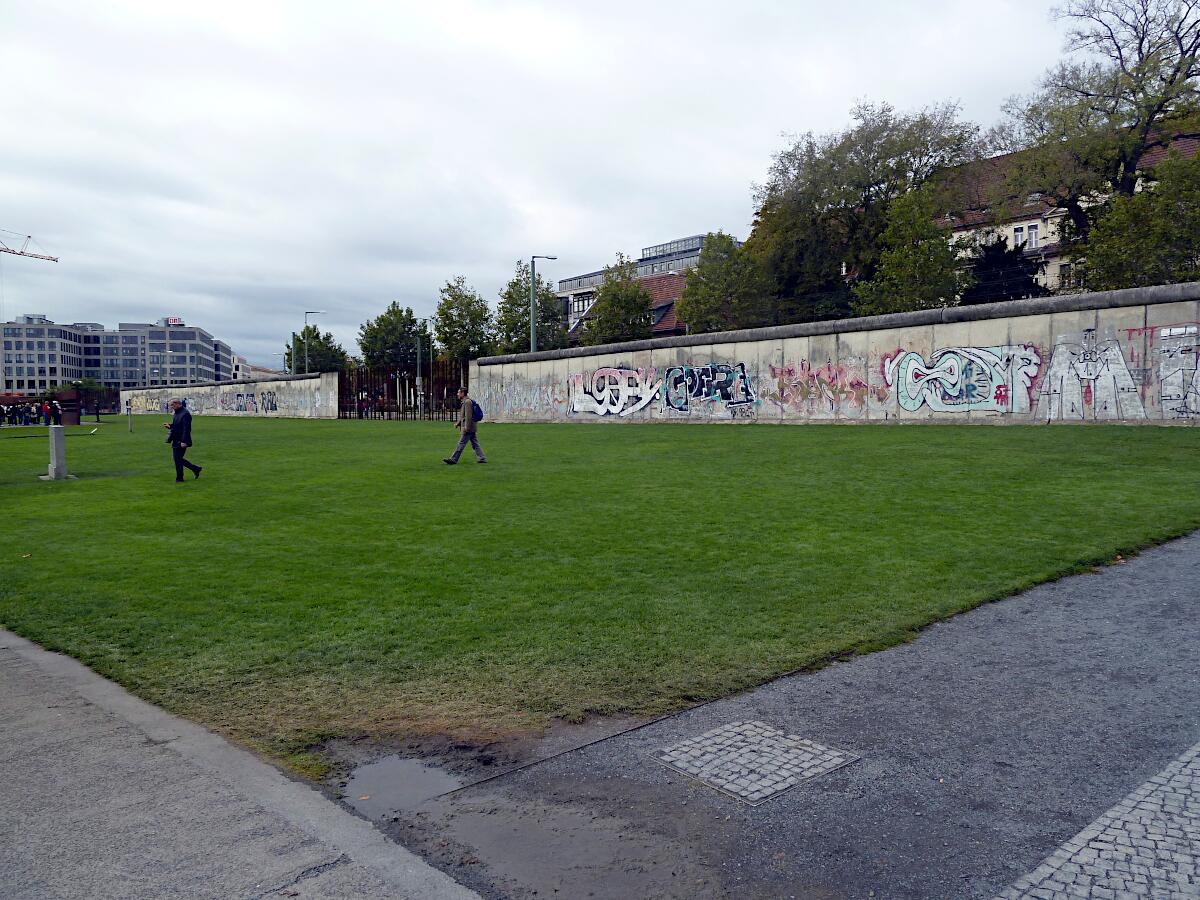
{"points": [[533, 300], [307, 313]]}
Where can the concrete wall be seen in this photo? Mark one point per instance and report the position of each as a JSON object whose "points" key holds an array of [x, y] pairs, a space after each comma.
{"points": [[300, 396], [1117, 356]]}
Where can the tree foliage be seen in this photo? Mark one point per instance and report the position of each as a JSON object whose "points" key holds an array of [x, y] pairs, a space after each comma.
{"points": [[726, 290], [1152, 237], [512, 315], [463, 322], [823, 209], [919, 267], [324, 353], [1129, 85], [390, 339], [999, 272], [621, 310]]}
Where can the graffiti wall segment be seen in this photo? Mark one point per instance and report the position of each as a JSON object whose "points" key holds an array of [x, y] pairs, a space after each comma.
{"points": [[701, 388], [609, 391], [829, 389], [965, 379], [1179, 387], [1088, 380]]}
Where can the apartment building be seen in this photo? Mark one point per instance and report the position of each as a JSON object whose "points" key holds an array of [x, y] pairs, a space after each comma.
{"points": [[38, 354]]}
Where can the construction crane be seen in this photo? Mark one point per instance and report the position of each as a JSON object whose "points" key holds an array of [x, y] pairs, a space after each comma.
{"points": [[24, 251]]}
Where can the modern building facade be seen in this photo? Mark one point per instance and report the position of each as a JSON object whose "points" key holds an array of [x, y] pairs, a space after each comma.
{"points": [[662, 268], [39, 354]]}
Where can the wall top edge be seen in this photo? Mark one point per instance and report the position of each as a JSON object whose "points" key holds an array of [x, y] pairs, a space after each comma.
{"points": [[195, 384], [1145, 296]]}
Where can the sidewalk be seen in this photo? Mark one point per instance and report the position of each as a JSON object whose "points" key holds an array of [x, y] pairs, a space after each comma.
{"points": [[107, 796]]}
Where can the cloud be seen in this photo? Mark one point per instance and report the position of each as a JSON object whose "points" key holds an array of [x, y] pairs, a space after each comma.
{"points": [[238, 163]]}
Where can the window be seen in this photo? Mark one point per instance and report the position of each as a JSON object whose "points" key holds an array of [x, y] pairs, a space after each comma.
{"points": [[1033, 237], [129, 339], [1019, 236], [110, 339]]}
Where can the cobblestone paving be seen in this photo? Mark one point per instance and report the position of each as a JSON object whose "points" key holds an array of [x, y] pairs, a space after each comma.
{"points": [[751, 760], [1148, 845]]}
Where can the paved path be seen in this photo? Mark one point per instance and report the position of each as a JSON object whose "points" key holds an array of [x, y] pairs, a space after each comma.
{"points": [[107, 796], [983, 746], [1148, 845]]}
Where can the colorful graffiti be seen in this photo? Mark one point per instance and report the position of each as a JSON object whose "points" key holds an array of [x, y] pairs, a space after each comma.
{"points": [[609, 391], [701, 388], [809, 389], [1178, 373], [965, 379], [1088, 380]]}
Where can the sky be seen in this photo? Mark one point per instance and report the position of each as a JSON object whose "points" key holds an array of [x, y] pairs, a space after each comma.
{"points": [[239, 163]]}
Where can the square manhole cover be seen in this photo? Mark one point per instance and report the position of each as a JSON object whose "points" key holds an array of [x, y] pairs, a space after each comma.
{"points": [[751, 760]]}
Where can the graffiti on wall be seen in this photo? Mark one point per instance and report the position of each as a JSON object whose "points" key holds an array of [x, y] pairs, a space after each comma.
{"points": [[709, 388], [1179, 384], [1088, 380], [830, 388], [965, 379], [610, 391]]}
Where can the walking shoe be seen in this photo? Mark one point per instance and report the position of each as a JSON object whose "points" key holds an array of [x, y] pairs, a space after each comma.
{"points": [[179, 481], [196, 471], [449, 461], [481, 461]]}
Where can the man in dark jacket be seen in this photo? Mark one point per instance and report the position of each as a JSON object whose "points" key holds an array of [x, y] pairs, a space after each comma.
{"points": [[467, 425], [179, 436]]}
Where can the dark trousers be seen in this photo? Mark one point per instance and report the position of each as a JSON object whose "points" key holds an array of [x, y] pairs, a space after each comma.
{"points": [[178, 451], [462, 443]]}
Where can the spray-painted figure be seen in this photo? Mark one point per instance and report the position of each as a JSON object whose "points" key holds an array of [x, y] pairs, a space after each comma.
{"points": [[1088, 380]]}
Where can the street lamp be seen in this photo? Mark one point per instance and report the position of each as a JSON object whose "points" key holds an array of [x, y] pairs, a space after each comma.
{"points": [[307, 313], [533, 300]]}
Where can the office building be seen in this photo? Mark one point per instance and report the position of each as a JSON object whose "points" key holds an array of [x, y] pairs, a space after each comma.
{"points": [[39, 354]]}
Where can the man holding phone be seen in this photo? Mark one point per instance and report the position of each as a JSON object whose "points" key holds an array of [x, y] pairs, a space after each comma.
{"points": [[179, 436]]}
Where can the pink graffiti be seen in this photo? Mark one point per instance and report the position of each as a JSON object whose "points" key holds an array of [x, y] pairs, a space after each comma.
{"points": [[803, 386]]}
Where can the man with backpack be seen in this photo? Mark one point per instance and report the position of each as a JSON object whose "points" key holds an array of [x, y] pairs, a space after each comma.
{"points": [[469, 416]]}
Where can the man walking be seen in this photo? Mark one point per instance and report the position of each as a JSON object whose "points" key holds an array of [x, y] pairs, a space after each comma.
{"points": [[467, 424], [179, 436]]}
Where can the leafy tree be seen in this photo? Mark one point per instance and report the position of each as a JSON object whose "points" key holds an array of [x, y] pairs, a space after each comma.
{"points": [[918, 267], [463, 322], [621, 310], [390, 339], [1132, 84], [1002, 273], [726, 290], [1152, 237], [823, 209], [512, 315], [324, 353]]}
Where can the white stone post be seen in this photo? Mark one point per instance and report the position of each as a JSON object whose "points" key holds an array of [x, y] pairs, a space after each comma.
{"points": [[58, 455]]}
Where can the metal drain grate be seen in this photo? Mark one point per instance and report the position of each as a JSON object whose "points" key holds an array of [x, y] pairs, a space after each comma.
{"points": [[751, 760]]}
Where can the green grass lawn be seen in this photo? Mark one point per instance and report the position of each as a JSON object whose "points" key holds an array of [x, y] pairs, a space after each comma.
{"points": [[334, 578]]}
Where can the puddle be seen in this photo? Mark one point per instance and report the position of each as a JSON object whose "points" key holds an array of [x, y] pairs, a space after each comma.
{"points": [[396, 783]]}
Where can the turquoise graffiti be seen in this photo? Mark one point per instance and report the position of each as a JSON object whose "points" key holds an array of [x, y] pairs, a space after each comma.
{"points": [[965, 379]]}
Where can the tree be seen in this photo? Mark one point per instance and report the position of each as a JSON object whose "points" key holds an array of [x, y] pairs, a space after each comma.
{"points": [[512, 315], [390, 339], [621, 310], [1152, 237], [463, 322], [726, 290], [324, 353], [824, 206], [1094, 117], [919, 267], [999, 272]]}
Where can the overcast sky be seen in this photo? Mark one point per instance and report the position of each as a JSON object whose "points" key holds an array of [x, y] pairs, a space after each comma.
{"points": [[238, 163]]}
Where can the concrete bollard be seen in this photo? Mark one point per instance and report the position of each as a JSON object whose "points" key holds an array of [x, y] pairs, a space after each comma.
{"points": [[58, 455]]}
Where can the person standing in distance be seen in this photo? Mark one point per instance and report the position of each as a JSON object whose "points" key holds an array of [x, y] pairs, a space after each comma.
{"points": [[467, 424], [179, 436]]}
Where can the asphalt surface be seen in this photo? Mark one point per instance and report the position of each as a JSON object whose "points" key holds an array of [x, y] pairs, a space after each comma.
{"points": [[106, 796], [985, 744]]}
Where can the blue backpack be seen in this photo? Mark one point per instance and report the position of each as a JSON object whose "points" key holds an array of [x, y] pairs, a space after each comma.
{"points": [[478, 411]]}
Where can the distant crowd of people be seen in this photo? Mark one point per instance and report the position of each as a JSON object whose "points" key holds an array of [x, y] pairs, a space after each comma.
{"points": [[48, 412]]}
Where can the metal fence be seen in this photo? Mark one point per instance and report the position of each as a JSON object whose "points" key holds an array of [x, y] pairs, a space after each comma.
{"points": [[401, 393]]}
